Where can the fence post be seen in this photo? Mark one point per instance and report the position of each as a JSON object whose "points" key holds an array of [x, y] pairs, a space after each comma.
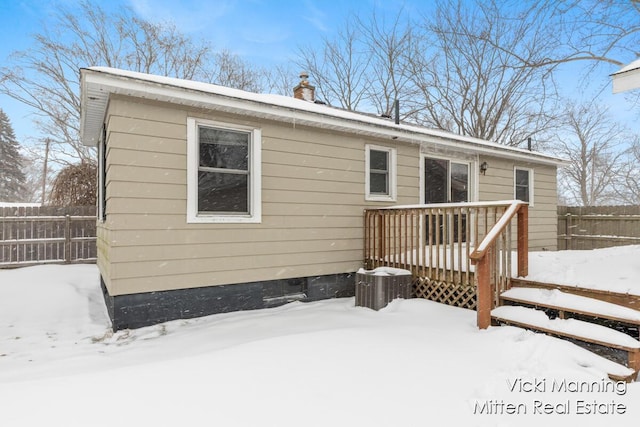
{"points": [[381, 239], [568, 245], [67, 239]]}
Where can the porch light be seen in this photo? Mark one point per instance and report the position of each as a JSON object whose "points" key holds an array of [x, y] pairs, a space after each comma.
{"points": [[483, 167]]}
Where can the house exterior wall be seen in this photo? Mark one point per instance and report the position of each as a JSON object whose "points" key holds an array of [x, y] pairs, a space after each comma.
{"points": [[313, 185], [312, 202], [498, 184]]}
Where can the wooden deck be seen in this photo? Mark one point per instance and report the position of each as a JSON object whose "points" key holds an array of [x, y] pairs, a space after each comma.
{"points": [[460, 253]]}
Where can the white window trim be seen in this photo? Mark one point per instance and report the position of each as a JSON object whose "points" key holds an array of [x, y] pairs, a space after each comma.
{"points": [[531, 182], [255, 175], [101, 177], [392, 196], [472, 191]]}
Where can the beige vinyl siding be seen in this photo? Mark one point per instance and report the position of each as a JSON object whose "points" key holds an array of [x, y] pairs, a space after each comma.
{"points": [[498, 184], [312, 203], [103, 240]]}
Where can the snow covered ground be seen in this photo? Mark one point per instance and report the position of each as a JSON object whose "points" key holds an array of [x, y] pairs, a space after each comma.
{"points": [[414, 363], [614, 269]]}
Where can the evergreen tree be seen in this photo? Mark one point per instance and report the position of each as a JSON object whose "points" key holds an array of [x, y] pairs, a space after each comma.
{"points": [[12, 178]]}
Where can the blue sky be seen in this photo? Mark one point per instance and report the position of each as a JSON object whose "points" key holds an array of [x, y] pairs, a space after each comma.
{"points": [[264, 32]]}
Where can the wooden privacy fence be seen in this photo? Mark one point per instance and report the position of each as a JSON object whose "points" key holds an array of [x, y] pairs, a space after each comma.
{"points": [[594, 227], [435, 242], [35, 235]]}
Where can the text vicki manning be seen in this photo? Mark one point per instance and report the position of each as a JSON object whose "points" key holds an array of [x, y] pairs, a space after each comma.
{"points": [[536, 385], [589, 398]]}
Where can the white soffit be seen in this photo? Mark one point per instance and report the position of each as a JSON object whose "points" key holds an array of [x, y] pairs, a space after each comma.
{"points": [[98, 83]]}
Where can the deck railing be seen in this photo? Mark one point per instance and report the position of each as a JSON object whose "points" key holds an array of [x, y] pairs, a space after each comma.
{"points": [[435, 243], [492, 259]]}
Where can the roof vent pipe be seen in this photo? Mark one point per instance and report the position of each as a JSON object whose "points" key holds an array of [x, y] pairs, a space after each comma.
{"points": [[396, 108]]}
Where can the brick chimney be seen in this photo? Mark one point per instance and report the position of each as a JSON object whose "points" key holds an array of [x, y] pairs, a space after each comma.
{"points": [[304, 90]]}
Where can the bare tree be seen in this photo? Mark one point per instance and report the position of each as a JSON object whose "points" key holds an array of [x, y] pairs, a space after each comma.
{"points": [[628, 186], [339, 72], [33, 168], [45, 77], [457, 70], [601, 31], [363, 67], [598, 33], [470, 80], [231, 71], [387, 45], [281, 79], [594, 144]]}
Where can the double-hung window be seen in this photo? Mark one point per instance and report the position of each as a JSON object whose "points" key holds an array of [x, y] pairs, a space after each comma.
{"points": [[223, 172], [380, 178], [523, 185]]}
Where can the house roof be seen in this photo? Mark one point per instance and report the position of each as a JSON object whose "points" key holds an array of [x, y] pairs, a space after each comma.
{"points": [[98, 83], [627, 78]]}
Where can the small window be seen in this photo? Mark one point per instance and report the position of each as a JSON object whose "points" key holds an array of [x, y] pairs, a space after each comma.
{"points": [[523, 185], [380, 173], [224, 173]]}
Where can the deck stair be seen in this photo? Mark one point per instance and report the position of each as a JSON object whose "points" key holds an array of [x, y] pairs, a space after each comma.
{"points": [[584, 320]]}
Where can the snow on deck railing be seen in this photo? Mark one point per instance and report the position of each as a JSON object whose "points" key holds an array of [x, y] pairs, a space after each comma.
{"points": [[492, 259], [450, 205], [436, 242], [498, 228]]}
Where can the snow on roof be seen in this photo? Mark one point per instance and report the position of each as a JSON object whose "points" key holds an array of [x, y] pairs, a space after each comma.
{"points": [[630, 67], [97, 83], [627, 78]]}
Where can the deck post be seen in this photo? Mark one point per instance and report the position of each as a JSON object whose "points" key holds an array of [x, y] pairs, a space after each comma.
{"points": [[381, 239], [633, 361], [484, 294], [523, 241]]}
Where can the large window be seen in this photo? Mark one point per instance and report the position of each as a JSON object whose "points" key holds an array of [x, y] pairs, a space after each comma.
{"points": [[445, 181], [380, 179], [523, 185], [223, 172]]}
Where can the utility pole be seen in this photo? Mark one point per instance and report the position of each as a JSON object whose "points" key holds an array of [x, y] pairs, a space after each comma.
{"points": [[44, 172]]}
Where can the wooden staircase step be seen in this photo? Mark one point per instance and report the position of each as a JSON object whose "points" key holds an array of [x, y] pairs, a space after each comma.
{"points": [[565, 302], [624, 299], [571, 328], [537, 320]]}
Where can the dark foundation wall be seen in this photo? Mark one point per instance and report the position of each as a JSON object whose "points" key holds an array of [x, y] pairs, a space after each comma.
{"points": [[138, 310]]}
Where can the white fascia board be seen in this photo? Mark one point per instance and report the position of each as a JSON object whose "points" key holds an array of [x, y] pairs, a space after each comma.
{"points": [[105, 84], [628, 80]]}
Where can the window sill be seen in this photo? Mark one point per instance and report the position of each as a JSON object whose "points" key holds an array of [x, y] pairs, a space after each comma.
{"points": [[380, 198], [224, 219]]}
